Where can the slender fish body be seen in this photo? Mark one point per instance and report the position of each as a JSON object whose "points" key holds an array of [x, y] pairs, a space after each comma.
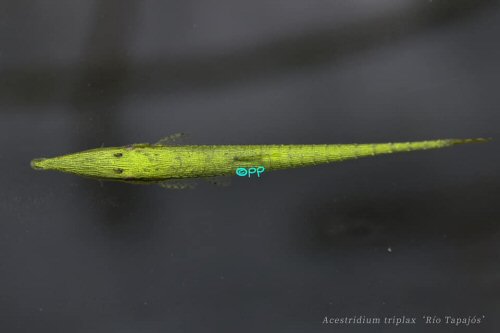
{"points": [[147, 163]]}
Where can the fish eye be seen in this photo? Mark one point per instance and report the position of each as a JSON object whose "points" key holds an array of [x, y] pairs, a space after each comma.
{"points": [[118, 154], [118, 170]]}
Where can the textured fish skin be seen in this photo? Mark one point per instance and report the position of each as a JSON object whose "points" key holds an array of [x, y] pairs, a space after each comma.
{"points": [[155, 163]]}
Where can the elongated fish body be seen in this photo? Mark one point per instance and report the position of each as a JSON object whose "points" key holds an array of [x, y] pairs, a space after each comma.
{"points": [[155, 163]]}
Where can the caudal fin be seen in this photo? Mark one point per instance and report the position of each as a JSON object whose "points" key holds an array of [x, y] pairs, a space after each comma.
{"points": [[475, 140]]}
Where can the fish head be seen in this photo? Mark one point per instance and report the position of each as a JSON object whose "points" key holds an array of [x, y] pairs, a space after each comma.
{"points": [[116, 163]]}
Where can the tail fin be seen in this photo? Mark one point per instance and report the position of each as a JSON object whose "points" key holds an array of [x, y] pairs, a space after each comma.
{"points": [[462, 141], [434, 144]]}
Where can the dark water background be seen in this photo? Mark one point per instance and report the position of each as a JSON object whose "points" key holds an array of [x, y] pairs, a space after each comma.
{"points": [[411, 234]]}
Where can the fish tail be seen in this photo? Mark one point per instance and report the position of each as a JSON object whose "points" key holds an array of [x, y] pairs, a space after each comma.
{"points": [[475, 140], [362, 150], [291, 156]]}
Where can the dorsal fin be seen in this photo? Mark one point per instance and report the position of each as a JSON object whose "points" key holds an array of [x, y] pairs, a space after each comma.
{"points": [[172, 140]]}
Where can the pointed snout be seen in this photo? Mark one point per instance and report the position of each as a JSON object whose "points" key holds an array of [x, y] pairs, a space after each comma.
{"points": [[38, 163]]}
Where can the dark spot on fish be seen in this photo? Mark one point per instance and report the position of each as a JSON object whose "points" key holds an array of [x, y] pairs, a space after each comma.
{"points": [[118, 154], [118, 170]]}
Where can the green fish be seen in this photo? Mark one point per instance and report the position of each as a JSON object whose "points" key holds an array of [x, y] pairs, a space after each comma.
{"points": [[164, 161]]}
